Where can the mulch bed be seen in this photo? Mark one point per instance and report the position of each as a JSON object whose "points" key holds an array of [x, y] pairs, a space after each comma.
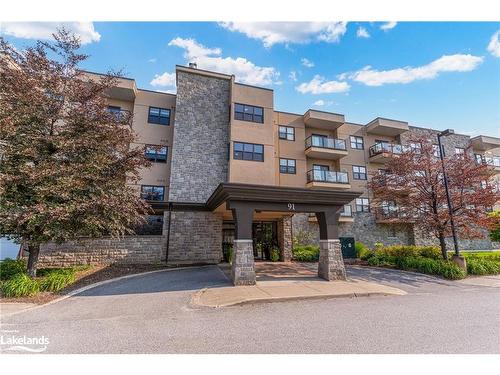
{"points": [[92, 275]]}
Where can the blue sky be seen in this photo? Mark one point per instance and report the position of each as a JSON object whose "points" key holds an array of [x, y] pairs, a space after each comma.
{"points": [[440, 75]]}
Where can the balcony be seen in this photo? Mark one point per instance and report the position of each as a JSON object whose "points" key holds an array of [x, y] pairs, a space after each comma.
{"points": [[493, 161], [325, 148], [382, 152], [387, 127], [327, 179], [484, 143], [390, 215], [323, 120]]}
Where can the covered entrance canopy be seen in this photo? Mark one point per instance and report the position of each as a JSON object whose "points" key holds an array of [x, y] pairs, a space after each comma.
{"points": [[243, 200]]}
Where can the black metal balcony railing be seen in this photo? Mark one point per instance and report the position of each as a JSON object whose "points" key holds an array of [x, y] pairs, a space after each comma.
{"points": [[324, 142], [380, 148], [333, 177], [494, 161]]}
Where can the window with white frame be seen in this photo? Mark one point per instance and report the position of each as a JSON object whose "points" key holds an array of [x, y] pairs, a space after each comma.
{"points": [[362, 205]]}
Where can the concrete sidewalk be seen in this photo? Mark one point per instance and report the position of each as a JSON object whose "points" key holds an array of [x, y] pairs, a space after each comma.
{"points": [[274, 291]]}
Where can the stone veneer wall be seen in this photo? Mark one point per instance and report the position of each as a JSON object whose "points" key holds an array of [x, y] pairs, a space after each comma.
{"points": [[195, 237], [106, 250], [285, 238], [363, 229], [199, 152]]}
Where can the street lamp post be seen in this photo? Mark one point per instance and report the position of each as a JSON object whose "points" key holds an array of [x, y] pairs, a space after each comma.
{"points": [[448, 198]]}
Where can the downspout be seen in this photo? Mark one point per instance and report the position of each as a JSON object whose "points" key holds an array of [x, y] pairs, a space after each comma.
{"points": [[168, 230]]}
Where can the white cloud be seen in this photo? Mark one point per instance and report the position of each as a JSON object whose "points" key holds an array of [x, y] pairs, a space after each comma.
{"points": [[494, 45], [318, 85], [44, 30], [447, 63], [319, 103], [362, 33], [388, 26], [153, 60], [271, 33], [307, 63], [293, 76], [210, 59], [164, 80]]}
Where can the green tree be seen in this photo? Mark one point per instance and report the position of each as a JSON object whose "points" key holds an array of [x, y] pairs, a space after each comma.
{"points": [[66, 161]]}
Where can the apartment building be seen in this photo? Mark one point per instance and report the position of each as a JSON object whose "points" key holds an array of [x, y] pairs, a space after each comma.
{"points": [[231, 172]]}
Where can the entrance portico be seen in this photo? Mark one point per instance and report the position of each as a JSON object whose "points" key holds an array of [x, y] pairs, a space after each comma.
{"points": [[243, 200]]}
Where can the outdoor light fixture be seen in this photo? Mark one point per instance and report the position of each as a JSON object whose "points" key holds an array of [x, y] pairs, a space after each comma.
{"points": [[444, 133]]}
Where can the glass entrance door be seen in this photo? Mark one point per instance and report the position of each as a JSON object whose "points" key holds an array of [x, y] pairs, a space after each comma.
{"points": [[265, 238]]}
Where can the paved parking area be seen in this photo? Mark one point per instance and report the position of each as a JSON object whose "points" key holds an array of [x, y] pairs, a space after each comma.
{"points": [[153, 314]]}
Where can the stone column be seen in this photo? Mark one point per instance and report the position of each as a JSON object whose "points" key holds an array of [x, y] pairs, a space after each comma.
{"points": [[242, 267], [285, 238], [331, 264]]}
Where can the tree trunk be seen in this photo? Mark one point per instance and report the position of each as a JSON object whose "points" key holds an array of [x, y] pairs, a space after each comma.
{"points": [[442, 244], [34, 250]]}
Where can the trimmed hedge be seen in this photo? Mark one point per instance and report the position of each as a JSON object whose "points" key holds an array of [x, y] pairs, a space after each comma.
{"points": [[309, 253]]}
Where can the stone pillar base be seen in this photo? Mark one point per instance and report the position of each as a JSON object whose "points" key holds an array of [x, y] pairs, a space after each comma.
{"points": [[242, 267], [331, 264], [460, 261]]}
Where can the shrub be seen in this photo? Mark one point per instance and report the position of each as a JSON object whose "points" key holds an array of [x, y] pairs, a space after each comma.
{"points": [[361, 250], [448, 270], [20, 285], [57, 280], [275, 254], [11, 267], [482, 267], [309, 253]]}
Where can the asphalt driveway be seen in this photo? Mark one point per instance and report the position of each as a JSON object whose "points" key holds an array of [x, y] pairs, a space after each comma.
{"points": [[152, 314]]}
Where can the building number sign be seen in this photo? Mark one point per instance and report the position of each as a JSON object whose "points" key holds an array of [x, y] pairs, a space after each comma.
{"points": [[291, 206]]}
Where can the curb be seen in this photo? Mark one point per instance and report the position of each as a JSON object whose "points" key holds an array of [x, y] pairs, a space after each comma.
{"points": [[91, 286], [197, 296]]}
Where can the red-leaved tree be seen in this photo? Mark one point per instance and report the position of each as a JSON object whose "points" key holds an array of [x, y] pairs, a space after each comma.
{"points": [[411, 190], [65, 159]]}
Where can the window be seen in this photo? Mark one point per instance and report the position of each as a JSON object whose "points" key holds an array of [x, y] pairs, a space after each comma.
{"points": [[248, 113], [362, 205], [435, 151], [287, 166], [287, 132], [156, 154], [459, 152], [358, 172], [152, 193], [416, 147], [357, 142], [317, 167], [346, 210], [248, 151], [115, 111], [159, 116]]}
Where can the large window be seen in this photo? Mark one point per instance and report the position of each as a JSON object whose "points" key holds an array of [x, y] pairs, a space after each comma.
{"points": [[248, 113], [435, 151], [287, 166], [362, 205], [357, 143], [157, 154], [358, 172], [248, 151], [459, 152], [416, 147], [287, 132], [159, 116], [346, 211], [152, 193]]}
